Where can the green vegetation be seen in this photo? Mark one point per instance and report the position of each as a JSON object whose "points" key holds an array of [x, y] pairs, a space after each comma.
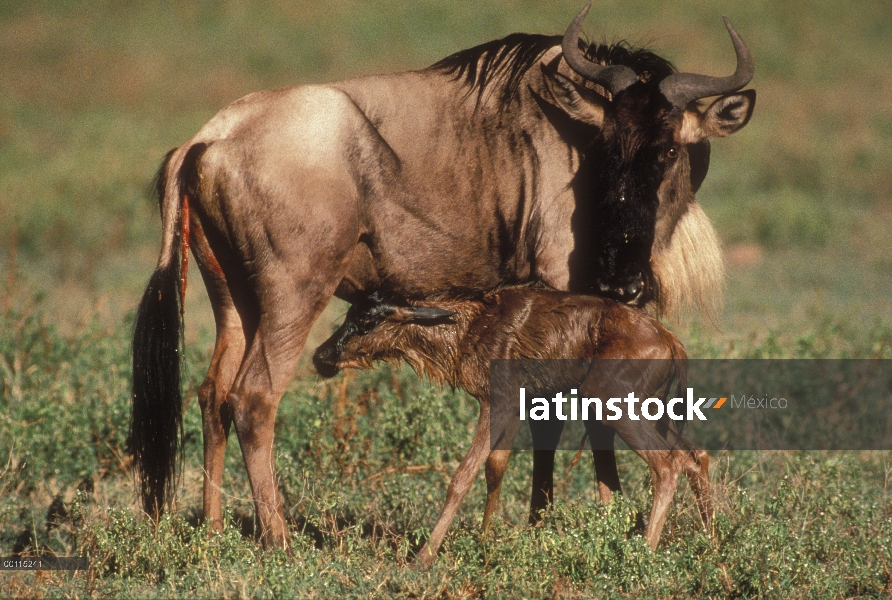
{"points": [[93, 93], [364, 463]]}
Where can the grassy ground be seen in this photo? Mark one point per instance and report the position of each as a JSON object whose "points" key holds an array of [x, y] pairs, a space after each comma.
{"points": [[364, 463], [93, 93]]}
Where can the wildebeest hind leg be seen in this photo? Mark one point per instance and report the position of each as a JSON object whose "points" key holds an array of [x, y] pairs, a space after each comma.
{"points": [[229, 350], [254, 400], [287, 310], [216, 415]]}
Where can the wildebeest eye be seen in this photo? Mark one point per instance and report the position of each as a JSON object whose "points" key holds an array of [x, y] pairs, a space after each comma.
{"points": [[672, 152]]}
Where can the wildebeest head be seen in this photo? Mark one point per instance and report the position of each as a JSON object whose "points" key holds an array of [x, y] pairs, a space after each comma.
{"points": [[649, 156]]}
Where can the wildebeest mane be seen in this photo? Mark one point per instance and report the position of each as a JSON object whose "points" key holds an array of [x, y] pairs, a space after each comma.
{"points": [[499, 66], [649, 67]]}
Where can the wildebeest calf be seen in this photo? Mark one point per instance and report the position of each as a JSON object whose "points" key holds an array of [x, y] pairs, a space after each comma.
{"points": [[453, 340]]}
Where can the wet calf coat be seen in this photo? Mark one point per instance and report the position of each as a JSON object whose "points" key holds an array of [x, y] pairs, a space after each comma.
{"points": [[453, 341]]}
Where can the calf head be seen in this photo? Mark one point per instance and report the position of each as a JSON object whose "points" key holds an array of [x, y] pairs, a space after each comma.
{"points": [[372, 330]]}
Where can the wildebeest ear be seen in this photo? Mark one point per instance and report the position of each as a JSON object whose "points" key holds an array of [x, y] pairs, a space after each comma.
{"points": [[728, 114], [420, 314], [574, 100]]}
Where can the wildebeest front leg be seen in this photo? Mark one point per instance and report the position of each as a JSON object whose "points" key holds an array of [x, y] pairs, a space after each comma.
{"points": [[542, 494], [546, 435], [602, 438]]}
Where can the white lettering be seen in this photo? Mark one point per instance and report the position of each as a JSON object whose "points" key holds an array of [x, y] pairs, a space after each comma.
{"points": [[694, 407], [631, 400], [671, 411], [597, 403], [539, 413], [646, 414], [523, 404], [559, 402], [616, 411]]}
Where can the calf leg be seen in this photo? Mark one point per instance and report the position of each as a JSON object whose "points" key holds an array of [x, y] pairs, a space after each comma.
{"points": [[503, 430], [665, 463], [696, 469], [665, 467], [458, 488], [496, 464]]}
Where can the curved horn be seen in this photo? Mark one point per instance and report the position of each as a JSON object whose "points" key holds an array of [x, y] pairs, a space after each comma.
{"points": [[614, 78], [681, 88]]}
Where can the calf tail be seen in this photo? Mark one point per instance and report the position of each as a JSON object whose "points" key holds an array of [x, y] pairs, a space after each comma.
{"points": [[679, 373], [156, 399]]}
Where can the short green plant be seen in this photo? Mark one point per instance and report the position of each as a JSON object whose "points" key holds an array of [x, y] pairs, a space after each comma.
{"points": [[364, 462]]}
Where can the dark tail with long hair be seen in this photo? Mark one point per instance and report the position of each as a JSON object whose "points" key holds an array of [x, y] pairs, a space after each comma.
{"points": [[156, 420]]}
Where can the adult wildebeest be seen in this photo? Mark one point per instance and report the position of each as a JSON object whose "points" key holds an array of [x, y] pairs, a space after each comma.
{"points": [[523, 159], [633, 351]]}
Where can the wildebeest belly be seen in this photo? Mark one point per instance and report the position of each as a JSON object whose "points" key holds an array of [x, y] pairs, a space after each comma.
{"points": [[419, 260]]}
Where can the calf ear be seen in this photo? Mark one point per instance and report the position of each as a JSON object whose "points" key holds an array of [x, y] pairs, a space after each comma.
{"points": [[421, 314], [578, 102], [728, 114]]}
